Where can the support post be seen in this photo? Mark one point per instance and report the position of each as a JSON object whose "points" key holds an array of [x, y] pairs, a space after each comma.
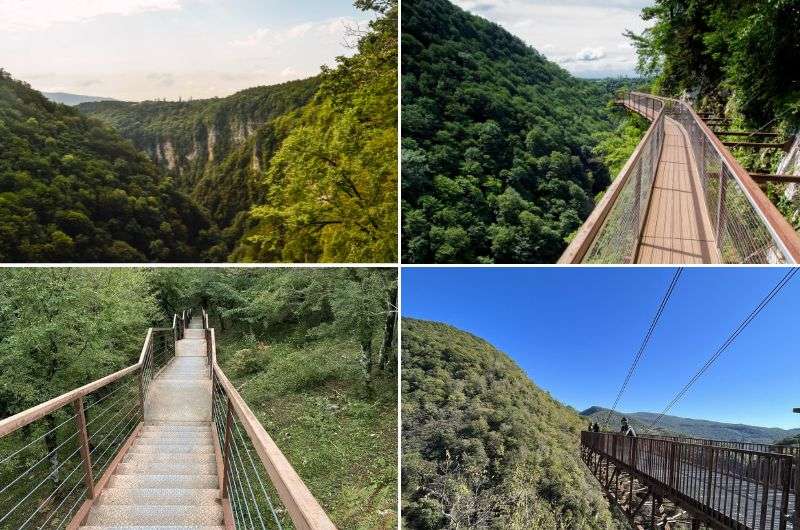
{"points": [[720, 210], [226, 453], [83, 437]]}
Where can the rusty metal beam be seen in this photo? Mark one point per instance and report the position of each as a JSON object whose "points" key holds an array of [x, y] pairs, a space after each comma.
{"points": [[759, 145], [768, 177], [747, 133]]}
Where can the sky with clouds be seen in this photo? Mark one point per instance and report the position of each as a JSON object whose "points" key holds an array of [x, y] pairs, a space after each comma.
{"points": [[154, 49], [583, 36]]}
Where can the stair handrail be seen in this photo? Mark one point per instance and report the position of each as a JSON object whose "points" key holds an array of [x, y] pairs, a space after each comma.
{"points": [[146, 368], [303, 508]]}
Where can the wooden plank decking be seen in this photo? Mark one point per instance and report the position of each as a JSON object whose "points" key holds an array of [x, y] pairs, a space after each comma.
{"points": [[677, 227]]}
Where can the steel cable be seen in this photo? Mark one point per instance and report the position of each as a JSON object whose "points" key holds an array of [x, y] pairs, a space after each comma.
{"points": [[731, 338], [644, 343]]}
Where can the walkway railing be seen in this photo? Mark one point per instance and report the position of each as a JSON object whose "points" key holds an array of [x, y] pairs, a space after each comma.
{"points": [[791, 450], [56, 457], [747, 226], [734, 488], [255, 472]]}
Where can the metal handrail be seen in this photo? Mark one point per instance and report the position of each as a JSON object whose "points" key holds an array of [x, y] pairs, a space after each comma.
{"points": [[229, 411], [755, 232], [622, 221], [736, 487], [93, 444]]}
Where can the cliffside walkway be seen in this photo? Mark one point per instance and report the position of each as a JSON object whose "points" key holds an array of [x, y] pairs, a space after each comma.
{"points": [[711, 483], [682, 198], [165, 443]]}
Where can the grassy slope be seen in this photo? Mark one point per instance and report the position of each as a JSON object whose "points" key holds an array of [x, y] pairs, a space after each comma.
{"points": [[313, 403]]}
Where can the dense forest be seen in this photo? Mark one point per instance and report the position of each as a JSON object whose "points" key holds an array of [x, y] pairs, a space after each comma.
{"points": [[304, 171], [483, 446], [312, 351], [73, 190], [497, 155]]}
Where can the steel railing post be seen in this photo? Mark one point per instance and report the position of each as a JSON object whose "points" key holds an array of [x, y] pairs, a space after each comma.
{"points": [[720, 202], [141, 388], [796, 471], [86, 456], [227, 450]]}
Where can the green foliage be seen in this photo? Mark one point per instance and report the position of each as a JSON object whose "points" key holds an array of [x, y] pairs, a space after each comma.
{"points": [[305, 171], [73, 190], [62, 328], [616, 147], [497, 142], [208, 146], [312, 352], [744, 51], [483, 447], [331, 188]]}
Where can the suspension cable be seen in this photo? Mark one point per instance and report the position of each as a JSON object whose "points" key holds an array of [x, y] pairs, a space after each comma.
{"points": [[753, 314], [644, 343]]}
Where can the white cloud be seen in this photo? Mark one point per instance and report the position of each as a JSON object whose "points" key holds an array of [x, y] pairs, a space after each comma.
{"points": [[28, 15], [290, 72], [590, 54], [267, 37]]}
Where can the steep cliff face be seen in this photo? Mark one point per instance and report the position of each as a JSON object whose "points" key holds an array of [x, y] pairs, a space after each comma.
{"points": [[200, 131], [192, 141]]}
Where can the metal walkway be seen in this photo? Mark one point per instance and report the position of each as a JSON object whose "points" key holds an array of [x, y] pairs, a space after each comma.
{"points": [[716, 484], [682, 198]]}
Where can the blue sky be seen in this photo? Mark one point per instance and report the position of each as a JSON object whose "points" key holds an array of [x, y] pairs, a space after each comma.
{"points": [[147, 49], [583, 36], [575, 332]]}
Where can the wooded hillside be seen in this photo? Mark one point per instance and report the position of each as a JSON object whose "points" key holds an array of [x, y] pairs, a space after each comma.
{"points": [[483, 446], [497, 155]]}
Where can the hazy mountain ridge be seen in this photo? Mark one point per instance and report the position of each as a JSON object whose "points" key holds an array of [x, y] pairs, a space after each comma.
{"points": [[733, 432], [73, 99]]}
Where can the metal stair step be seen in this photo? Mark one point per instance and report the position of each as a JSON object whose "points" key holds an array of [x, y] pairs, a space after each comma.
{"points": [[164, 481], [160, 515], [169, 441], [128, 527], [171, 448], [176, 427], [158, 496], [166, 468], [144, 458]]}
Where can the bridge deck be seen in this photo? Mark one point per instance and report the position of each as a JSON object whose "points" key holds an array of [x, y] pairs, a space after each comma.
{"points": [[677, 228]]}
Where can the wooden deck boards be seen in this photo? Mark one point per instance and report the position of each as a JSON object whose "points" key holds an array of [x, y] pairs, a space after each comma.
{"points": [[677, 228]]}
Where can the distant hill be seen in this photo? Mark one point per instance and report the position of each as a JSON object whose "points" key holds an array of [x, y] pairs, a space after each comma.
{"points": [[483, 446], [73, 99], [733, 432]]}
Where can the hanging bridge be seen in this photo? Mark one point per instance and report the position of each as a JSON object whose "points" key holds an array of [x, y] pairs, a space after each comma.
{"points": [[717, 484], [165, 443], [683, 198]]}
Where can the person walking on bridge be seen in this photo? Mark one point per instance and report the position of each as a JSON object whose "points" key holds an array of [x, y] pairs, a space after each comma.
{"points": [[626, 428]]}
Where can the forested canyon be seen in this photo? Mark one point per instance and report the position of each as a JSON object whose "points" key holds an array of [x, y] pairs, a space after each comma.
{"points": [[304, 171]]}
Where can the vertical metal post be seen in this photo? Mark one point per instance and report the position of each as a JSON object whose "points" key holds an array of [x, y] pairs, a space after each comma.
{"points": [[765, 496], [227, 450], [720, 203], [83, 437], [787, 488], [141, 389], [796, 523]]}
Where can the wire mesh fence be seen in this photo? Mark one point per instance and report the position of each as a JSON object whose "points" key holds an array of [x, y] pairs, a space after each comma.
{"points": [[618, 237]]}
